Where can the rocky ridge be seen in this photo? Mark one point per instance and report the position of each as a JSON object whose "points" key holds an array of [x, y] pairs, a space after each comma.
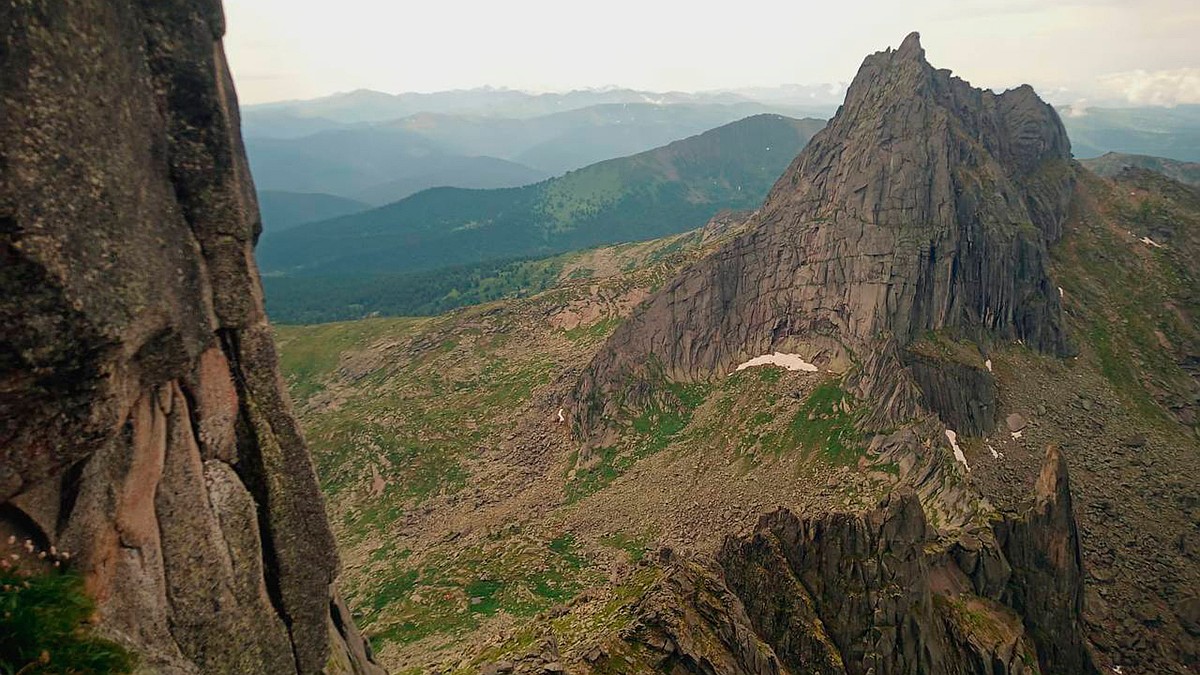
{"points": [[925, 205], [875, 592], [917, 223], [143, 424]]}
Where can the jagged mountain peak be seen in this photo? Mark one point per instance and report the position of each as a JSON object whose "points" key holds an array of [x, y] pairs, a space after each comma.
{"points": [[911, 47], [924, 205], [905, 120]]}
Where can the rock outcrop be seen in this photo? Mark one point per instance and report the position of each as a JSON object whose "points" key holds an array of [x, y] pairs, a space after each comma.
{"points": [[143, 424], [924, 205], [876, 593]]}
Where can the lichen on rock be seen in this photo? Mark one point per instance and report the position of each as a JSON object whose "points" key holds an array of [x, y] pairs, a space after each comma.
{"points": [[143, 425]]}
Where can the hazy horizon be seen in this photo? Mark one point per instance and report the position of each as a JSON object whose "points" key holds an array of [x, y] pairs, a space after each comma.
{"points": [[1099, 52]]}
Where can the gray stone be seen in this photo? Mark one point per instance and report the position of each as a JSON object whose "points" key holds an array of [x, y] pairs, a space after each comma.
{"points": [[924, 205], [136, 352]]}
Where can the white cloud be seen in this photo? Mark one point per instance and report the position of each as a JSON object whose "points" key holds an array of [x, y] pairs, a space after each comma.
{"points": [[1076, 109], [1157, 87]]}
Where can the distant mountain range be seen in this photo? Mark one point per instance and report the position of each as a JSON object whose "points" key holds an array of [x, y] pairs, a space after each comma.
{"points": [[1111, 164], [385, 162], [375, 165], [281, 210], [365, 105], [379, 148], [1161, 132], [560, 142], [663, 191]]}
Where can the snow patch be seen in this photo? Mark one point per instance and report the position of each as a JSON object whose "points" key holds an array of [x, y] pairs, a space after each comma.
{"points": [[995, 455], [1016, 435], [958, 453], [560, 416], [988, 364], [1061, 293], [1150, 242], [789, 361]]}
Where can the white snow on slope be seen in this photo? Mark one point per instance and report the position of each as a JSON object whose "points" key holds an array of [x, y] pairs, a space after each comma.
{"points": [[958, 453], [789, 361]]}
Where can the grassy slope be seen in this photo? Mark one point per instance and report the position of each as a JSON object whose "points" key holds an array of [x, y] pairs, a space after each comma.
{"points": [[1134, 305], [485, 520], [446, 550], [414, 401]]}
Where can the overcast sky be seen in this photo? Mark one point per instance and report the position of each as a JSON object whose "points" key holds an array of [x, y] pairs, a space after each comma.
{"points": [[1133, 51]]}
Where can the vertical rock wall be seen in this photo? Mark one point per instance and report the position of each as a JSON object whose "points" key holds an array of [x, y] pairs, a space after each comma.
{"points": [[143, 423]]}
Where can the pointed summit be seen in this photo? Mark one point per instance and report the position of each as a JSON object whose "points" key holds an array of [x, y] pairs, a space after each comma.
{"points": [[911, 48], [924, 205]]}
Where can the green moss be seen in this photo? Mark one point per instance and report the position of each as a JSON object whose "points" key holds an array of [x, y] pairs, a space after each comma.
{"points": [[1122, 298], [587, 481], [770, 374], [593, 332], [887, 467], [308, 356], [634, 546], [825, 424], [393, 589], [653, 430], [450, 592], [481, 594], [44, 628]]}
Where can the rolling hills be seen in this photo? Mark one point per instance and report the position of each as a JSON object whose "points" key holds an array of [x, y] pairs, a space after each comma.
{"points": [[1157, 131], [1111, 164], [560, 142], [386, 161], [281, 210], [663, 191], [374, 165]]}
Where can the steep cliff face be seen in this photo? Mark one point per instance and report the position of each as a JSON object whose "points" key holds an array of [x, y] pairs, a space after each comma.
{"points": [[143, 426], [924, 205], [875, 592]]}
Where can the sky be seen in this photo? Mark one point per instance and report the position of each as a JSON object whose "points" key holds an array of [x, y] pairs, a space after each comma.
{"points": [[1133, 52]]}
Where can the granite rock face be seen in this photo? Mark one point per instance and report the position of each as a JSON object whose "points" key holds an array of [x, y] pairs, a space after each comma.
{"points": [[924, 205], [876, 593], [143, 424]]}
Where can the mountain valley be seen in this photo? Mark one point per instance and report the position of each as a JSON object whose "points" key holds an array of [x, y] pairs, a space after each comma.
{"points": [[577, 480], [605, 382], [350, 261]]}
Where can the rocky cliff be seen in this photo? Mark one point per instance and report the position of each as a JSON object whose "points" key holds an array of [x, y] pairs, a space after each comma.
{"points": [[925, 205], [876, 593], [143, 426]]}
